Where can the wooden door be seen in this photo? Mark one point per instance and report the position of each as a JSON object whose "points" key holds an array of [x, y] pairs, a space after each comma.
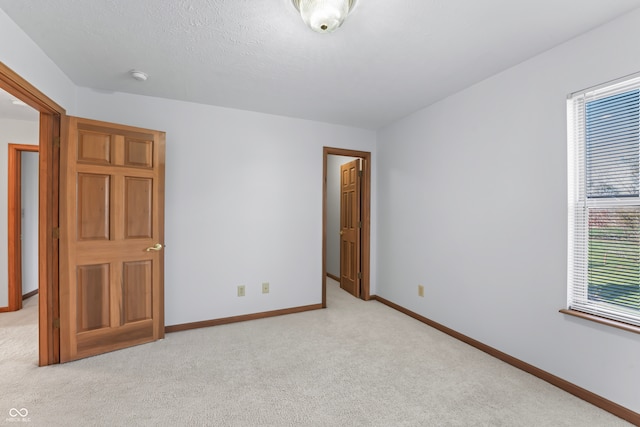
{"points": [[111, 237], [350, 226]]}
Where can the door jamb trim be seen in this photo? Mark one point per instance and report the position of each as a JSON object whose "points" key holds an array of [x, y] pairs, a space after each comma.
{"points": [[14, 217]]}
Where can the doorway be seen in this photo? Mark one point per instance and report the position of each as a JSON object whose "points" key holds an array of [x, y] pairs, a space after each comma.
{"points": [[365, 216], [50, 115], [132, 148], [22, 223]]}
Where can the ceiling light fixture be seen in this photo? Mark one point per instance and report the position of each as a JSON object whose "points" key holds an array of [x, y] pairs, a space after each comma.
{"points": [[18, 102], [324, 16], [139, 75]]}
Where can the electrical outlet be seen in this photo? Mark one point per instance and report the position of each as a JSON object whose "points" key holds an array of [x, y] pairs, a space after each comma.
{"points": [[265, 287], [241, 290], [420, 291]]}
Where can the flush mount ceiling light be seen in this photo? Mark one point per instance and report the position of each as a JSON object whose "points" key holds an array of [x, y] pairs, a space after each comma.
{"points": [[18, 102], [324, 16], [139, 75]]}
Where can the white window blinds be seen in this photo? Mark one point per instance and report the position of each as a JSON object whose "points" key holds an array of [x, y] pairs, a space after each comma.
{"points": [[604, 201]]}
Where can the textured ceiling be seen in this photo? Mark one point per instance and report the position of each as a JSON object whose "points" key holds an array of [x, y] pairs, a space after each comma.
{"points": [[389, 59]]}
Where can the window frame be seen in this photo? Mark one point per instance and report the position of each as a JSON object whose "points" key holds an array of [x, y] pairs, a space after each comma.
{"points": [[578, 199]]}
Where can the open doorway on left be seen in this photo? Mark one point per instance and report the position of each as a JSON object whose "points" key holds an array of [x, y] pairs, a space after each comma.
{"points": [[19, 143]]}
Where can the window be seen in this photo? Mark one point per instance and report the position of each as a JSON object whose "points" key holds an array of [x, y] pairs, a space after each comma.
{"points": [[604, 201]]}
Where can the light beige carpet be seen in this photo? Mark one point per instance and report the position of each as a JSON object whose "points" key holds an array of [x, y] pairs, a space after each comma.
{"points": [[354, 364]]}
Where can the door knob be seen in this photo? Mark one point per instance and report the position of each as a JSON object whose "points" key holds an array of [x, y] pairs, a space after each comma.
{"points": [[155, 247], [341, 232]]}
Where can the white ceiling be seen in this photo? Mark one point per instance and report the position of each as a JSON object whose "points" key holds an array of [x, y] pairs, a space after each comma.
{"points": [[389, 59]]}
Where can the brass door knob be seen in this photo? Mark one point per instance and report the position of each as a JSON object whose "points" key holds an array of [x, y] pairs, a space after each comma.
{"points": [[156, 247]]}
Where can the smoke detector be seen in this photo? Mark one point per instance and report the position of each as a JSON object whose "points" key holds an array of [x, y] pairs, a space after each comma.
{"points": [[141, 76]]}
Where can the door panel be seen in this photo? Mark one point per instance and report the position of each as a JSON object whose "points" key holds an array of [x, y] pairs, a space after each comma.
{"points": [[350, 226], [111, 289], [138, 153], [93, 206], [137, 291], [138, 208], [94, 147], [93, 297]]}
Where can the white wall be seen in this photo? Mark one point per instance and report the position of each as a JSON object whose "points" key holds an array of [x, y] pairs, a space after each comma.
{"points": [[22, 55], [472, 203], [243, 202], [29, 202], [333, 212], [16, 132]]}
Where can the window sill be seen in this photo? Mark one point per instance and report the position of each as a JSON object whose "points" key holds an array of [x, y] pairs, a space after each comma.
{"points": [[602, 320]]}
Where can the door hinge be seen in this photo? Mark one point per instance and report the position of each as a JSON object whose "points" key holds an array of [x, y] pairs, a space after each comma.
{"points": [[359, 224], [56, 141], [56, 232], [359, 275], [56, 323], [359, 173]]}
